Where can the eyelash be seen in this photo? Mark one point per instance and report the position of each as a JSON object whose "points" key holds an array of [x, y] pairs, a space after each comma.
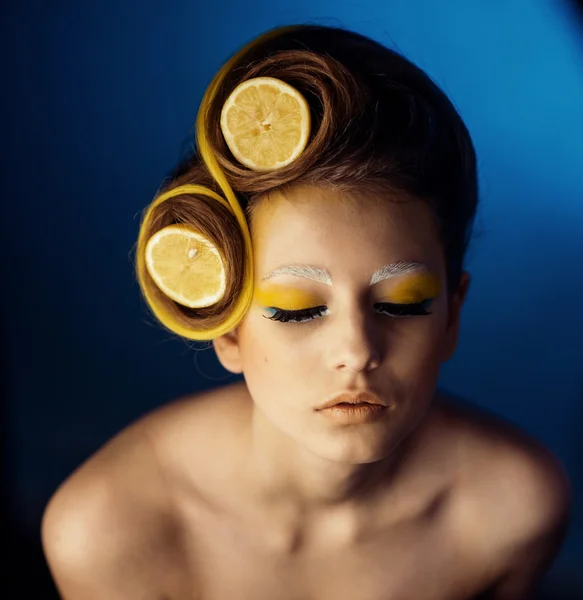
{"points": [[390, 309]]}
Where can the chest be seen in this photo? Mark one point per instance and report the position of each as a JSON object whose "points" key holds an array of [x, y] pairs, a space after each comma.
{"points": [[418, 560]]}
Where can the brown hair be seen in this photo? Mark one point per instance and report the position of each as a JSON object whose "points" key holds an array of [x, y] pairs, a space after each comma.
{"points": [[379, 125]]}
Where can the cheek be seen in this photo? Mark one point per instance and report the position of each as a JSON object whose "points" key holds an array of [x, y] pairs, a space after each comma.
{"points": [[266, 348], [274, 367], [414, 364], [416, 347]]}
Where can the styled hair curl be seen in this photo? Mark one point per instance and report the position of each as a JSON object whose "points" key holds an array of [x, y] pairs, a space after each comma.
{"points": [[380, 125]]}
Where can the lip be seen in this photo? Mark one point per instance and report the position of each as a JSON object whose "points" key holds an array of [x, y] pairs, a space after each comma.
{"points": [[361, 397], [354, 414]]}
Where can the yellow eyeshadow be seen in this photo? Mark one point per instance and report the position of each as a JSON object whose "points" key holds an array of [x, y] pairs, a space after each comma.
{"points": [[413, 288], [287, 298]]}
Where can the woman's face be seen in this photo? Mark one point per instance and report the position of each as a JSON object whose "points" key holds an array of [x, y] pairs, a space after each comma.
{"points": [[342, 332]]}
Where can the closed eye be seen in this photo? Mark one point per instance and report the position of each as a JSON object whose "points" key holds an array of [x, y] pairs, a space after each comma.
{"points": [[296, 316], [404, 310], [385, 308]]}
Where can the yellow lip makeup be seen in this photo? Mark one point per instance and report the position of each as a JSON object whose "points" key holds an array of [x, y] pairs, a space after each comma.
{"points": [[286, 297]]}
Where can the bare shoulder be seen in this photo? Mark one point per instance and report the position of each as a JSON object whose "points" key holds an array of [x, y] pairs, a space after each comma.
{"points": [[503, 457], [192, 415], [110, 521], [516, 496], [127, 478], [198, 438]]}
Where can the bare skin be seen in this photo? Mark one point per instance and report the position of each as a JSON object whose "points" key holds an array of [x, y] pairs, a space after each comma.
{"points": [[161, 512], [248, 492]]}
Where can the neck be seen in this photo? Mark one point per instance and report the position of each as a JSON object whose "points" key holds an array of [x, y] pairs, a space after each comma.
{"points": [[284, 473]]}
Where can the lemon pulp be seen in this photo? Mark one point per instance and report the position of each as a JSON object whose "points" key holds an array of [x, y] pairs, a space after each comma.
{"points": [[266, 123], [186, 266]]}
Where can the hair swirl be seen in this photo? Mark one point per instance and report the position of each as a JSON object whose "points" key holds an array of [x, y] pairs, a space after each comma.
{"points": [[379, 125]]}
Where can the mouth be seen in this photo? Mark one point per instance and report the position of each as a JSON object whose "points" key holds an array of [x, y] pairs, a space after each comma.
{"points": [[353, 398]]}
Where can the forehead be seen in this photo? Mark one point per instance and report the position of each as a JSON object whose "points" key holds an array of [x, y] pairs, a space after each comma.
{"points": [[329, 229]]}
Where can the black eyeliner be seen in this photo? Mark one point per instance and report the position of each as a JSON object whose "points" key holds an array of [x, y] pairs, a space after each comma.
{"points": [[417, 309]]}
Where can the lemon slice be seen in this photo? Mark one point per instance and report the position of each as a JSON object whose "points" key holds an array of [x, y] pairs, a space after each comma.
{"points": [[266, 123], [186, 266]]}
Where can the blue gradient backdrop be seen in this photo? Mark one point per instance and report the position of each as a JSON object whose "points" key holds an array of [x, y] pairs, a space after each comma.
{"points": [[98, 107]]}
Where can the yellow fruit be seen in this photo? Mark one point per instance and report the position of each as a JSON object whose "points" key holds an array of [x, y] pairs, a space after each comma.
{"points": [[266, 123], [186, 266]]}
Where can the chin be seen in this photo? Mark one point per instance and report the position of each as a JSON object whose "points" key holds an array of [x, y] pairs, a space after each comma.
{"points": [[358, 446], [353, 456]]}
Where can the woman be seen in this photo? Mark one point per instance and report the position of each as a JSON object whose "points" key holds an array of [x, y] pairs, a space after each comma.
{"points": [[317, 238]]}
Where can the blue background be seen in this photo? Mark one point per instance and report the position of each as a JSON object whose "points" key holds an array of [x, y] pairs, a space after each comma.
{"points": [[99, 101]]}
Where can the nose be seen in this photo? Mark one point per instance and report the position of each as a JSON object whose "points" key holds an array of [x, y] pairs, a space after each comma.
{"points": [[353, 346]]}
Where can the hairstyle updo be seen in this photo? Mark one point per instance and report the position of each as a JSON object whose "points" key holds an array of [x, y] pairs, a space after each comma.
{"points": [[380, 125]]}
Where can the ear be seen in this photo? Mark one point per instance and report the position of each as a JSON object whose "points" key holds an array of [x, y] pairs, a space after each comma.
{"points": [[227, 349], [456, 301]]}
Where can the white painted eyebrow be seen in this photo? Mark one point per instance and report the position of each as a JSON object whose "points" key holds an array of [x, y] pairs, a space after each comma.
{"points": [[307, 271], [398, 268], [322, 275]]}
